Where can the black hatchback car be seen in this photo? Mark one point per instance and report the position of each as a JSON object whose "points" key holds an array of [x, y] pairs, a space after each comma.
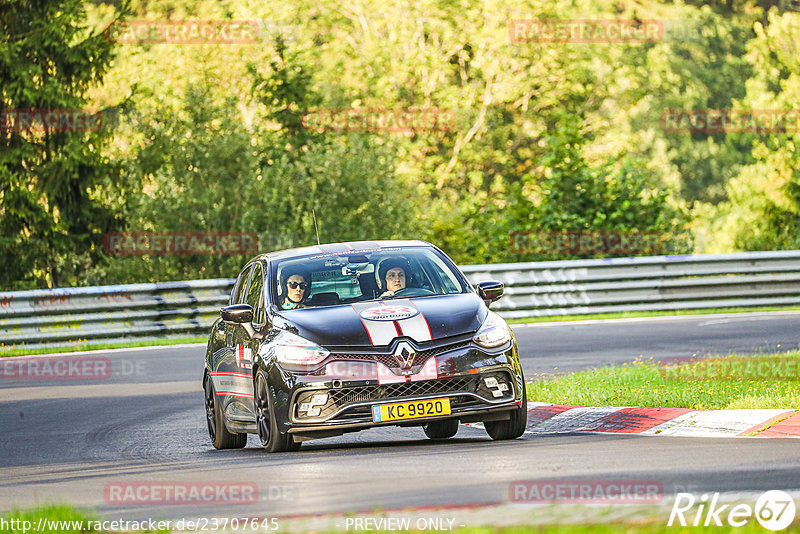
{"points": [[335, 338]]}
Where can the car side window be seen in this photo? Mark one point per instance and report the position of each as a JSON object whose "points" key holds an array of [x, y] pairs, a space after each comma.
{"points": [[237, 295], [254, 294]]}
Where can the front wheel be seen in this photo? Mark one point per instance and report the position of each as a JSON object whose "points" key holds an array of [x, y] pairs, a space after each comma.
{"points": [[220, 437], [271, 438], [511, 428]]}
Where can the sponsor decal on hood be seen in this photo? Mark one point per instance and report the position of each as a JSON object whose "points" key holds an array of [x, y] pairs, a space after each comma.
{"points": [[385, 322], [389, 313]]}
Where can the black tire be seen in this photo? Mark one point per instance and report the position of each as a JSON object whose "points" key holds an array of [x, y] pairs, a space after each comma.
{"points": [[220, 437], [441, 429], [271, 439], [511, 428]]}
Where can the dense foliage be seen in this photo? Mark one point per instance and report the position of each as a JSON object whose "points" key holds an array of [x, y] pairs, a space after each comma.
{"points": [[508, 136], [55, 181]]}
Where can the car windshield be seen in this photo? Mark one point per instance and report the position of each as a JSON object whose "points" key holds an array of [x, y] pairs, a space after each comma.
{"points": [[331, 279]]}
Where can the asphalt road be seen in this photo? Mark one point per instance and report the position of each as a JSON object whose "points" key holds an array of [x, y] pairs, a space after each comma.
{"points": [[144, 422]]}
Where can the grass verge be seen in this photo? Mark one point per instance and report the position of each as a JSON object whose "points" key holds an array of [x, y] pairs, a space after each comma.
{"points": [[725, 382], [103, 346], [634, 315]]}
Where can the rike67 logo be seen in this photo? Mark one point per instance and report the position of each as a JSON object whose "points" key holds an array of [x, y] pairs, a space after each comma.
{"points": [[774, 510]]}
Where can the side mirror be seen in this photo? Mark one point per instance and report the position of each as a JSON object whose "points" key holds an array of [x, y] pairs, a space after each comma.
{"points": [[241, 314], [238, 313], [490, 291]]}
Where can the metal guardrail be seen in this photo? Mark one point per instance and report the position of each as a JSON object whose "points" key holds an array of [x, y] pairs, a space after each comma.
{"points": [[88, 315], [652, 283], [84, 315]]}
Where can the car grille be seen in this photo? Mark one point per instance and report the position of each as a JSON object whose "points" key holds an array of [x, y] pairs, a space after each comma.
{"points": [[341, 398], [388, 360]]}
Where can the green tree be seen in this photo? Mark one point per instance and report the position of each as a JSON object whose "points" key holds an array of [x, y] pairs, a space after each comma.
{"points": [[54, 180], [348, 179], [763, 207], [568, 194], [506, 163], [189, 174], [202, 168]]}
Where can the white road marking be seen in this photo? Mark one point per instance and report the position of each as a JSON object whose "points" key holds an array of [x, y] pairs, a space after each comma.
{"points": [[710, 423], [93, 391], [741, 316], [103, 351]]}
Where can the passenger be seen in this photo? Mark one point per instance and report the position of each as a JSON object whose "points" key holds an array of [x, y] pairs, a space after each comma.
{"points": [[296, 286]]}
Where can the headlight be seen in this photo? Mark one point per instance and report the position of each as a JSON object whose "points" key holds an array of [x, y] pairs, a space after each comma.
{"points": [[493, 332], [295, 351]]}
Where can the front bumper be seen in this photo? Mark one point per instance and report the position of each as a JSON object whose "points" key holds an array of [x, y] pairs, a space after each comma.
{"points": [[338, 397], [482, 396], [353, 404]]}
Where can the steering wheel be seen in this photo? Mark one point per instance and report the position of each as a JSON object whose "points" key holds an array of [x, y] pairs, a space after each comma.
{"points": [[413, 292]]}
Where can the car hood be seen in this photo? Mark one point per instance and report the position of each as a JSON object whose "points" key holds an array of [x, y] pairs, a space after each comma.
{"points": [[377, 323]]}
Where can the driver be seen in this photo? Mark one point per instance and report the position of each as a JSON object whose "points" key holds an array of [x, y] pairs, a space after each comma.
{"points": [[393, 277], [296, 285]]}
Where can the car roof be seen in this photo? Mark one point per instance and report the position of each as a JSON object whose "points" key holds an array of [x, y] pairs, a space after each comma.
{"points": [[342, 248]]}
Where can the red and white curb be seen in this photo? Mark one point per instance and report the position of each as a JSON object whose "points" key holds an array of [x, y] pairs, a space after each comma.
{"points": [[544, 418]]}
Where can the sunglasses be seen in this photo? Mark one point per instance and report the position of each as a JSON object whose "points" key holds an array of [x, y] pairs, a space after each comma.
{"points": [[295, 285]]}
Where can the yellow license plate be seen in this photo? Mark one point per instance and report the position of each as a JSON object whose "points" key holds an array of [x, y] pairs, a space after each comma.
{"points": [[410, 410]]}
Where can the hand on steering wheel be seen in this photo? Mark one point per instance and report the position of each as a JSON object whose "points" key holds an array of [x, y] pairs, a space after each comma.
{"points": [[399, 293], [407, 291]]}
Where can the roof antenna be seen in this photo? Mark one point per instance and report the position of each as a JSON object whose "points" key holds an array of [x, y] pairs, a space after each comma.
{"points": [[316, 230]]}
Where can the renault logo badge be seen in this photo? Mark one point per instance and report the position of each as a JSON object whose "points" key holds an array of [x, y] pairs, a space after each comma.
{"points": [[404, 355]]}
